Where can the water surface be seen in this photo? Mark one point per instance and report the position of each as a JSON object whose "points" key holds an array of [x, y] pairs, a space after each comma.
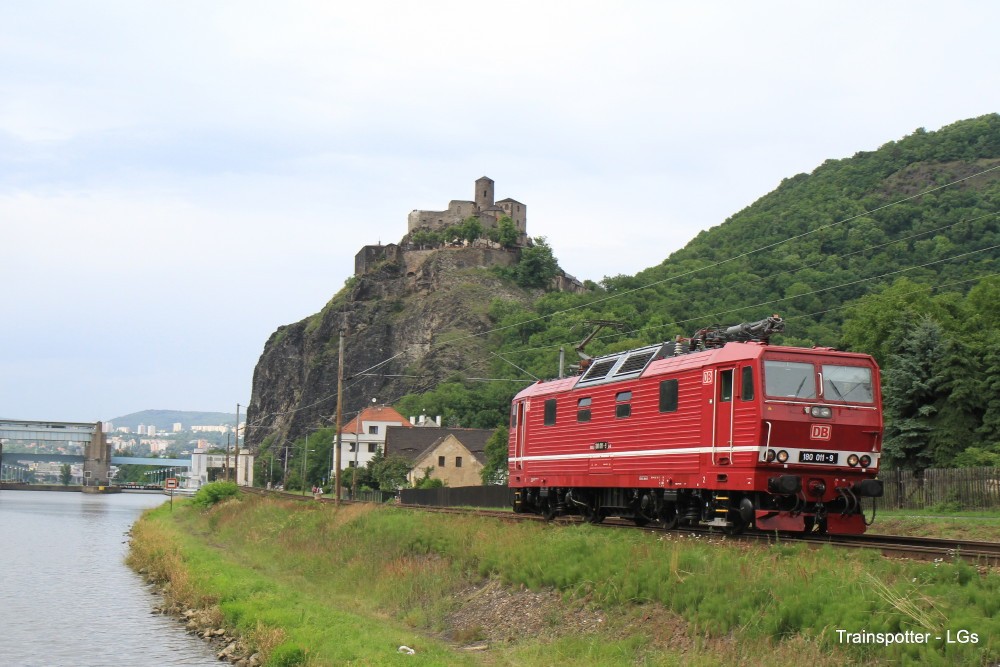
{"points": [[66, 596]]}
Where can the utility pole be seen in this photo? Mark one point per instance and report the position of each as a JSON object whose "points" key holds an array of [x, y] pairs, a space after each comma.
{"points": [[284, 476], [237, 463], [340, 409], [227, 457]]}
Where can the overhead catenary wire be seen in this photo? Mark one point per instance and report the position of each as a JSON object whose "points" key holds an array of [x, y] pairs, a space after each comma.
{"points": [[786, 298], [727, 260], [769, 246], [706, 316]]}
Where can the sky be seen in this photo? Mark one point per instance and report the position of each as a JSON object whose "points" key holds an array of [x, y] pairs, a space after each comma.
{"points": [[178, 179]]}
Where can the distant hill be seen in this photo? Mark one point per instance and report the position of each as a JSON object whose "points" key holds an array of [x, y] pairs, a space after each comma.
{"points": [[165, 419]]}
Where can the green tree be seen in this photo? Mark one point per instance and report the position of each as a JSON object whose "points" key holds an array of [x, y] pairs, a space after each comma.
{"points": [[425, 238], [959, 401], [910, 397], [65, 474], [538, 266], [472, 229], [507, 234], [388, 473], [495, 469], [363, 477]]}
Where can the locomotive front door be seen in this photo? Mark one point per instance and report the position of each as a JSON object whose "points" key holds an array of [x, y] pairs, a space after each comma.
{"points": [[724, 411]]}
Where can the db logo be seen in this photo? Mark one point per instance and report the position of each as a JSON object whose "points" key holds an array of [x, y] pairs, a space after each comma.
{"points": [[706, 377], [821, 432]]}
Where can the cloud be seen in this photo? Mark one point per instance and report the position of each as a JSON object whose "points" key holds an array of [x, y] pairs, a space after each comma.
{"points": [[200, 174]]}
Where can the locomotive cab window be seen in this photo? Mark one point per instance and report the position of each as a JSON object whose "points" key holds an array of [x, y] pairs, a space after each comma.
{"points": [[746, 384], [789, 379], [623, 404], [583, 410], [852, 384], [550, 412], [726, 385], [668, 396]]}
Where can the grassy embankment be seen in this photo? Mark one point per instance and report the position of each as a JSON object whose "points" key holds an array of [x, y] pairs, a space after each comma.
{"points": [[983, 526], [308, 584]]}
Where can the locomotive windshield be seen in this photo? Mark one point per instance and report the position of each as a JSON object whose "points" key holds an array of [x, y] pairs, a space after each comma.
{"points": [[793, 379], [789, 379], [852, 384]]}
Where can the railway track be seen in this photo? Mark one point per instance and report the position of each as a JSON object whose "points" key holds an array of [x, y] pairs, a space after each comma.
{"points": [[920, 548], [892, 546]]}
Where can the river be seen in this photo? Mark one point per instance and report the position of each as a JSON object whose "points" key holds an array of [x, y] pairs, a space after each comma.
{"points": [[66, 596]]}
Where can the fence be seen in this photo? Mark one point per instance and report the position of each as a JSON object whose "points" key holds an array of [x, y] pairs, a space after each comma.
{"points": [[959, 488], [370, 496], [460, 496]]}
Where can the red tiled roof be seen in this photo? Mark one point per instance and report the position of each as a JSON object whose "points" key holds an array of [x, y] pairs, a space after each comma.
{"points": [[376, 413]]}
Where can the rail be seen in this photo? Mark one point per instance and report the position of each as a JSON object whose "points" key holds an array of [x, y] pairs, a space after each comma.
{"points": [[893, 546]]}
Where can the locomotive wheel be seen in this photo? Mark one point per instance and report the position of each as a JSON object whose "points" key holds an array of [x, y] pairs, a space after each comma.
{"points": [[640, 520], [668, 517], [595, 516], [548, 511], [739, 525]]}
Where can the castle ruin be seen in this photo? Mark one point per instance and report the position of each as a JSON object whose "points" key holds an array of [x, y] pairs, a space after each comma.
{"points": [[481, 206]]}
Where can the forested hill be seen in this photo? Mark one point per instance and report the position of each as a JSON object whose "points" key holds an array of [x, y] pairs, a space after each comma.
{"points": [[893, 252]]}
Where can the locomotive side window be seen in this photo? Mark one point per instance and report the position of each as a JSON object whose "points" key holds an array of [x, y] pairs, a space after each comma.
{"points": [[623, 404], [746, 384], [668, 396], [513, 416], [726, 386], [852, 384], [550, 412], [583, 410], [789, 379]]}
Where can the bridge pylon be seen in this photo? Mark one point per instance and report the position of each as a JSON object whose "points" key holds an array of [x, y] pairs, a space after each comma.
{"points": [[97, 459]]}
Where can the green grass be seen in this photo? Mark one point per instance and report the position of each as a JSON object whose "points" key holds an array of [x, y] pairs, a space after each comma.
{"points": [[981, 526], [317, 574], [943, 512]]}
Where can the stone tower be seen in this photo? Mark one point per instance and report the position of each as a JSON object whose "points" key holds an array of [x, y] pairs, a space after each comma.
{"points": [[484, 193]]}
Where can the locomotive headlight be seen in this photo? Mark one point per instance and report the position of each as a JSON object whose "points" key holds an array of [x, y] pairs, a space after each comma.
{"points": [[852, 460], [769, 456], [821, 412], [866, 461], [782, 456]]}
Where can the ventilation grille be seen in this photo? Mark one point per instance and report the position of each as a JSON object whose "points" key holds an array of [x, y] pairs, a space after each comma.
{"points": [[618, 367], [635, 362], [599, 369]]}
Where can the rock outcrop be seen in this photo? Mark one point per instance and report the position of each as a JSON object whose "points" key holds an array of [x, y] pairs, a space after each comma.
{"points": [[410, 323]]}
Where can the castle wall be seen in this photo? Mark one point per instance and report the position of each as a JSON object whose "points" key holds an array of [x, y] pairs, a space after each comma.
{"points": [[484, 208], [458, 211], [517, 212], [370, 255]]}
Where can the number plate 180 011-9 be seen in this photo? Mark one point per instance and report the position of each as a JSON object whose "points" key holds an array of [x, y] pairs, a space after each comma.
{"points": [[829, 458]]}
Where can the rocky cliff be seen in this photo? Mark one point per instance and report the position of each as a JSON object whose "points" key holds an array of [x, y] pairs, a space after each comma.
{"points": [[408, 310]]}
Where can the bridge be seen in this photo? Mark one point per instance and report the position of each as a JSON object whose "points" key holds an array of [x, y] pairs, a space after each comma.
{"points": [[97, 459], [115, 460], [97, 452]]}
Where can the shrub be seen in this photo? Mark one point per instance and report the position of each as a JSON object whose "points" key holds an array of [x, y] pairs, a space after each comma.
{"points": [[286, 655], [212, 493]]}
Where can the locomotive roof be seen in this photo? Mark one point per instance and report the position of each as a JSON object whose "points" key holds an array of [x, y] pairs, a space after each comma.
{"points": [[616, 367]]}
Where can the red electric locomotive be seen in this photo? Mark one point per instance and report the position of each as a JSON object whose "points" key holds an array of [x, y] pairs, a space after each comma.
{"points": [[721, 429]]}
